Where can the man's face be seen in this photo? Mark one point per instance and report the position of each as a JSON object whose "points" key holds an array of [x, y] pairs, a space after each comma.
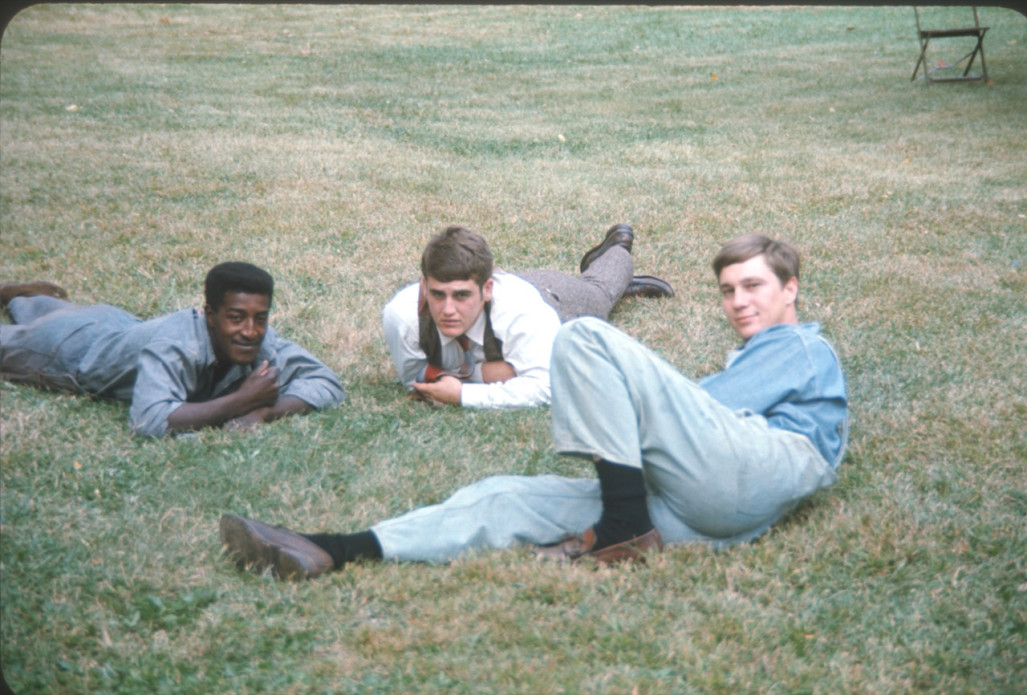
{"points": [[238, 326], [456, 305], [754, 298]]}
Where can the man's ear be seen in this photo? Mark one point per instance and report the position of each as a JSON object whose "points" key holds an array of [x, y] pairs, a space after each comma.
{"points": [[209, 314], [791, 289], [486, 290]]}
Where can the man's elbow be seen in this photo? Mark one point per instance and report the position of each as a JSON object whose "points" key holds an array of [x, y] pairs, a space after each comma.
{"points": [[150, 430], [153, 422]]}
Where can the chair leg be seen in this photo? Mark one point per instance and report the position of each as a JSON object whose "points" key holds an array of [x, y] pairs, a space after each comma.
{"points": [[971, 56], [922, 60]]}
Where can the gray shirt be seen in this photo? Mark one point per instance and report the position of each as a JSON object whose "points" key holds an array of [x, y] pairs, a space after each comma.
{"points": [[176, 365], [157, 364]]}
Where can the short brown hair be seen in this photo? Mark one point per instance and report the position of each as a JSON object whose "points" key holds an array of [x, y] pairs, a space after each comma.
{"points": [[781, 256], [457, 253]]}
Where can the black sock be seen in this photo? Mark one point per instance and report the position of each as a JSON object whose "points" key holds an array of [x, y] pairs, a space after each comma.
{"points": [[347, 547], [625, 513]]}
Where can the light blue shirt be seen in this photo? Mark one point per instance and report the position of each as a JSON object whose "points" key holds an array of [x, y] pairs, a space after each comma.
{"points": [[791, 376]]}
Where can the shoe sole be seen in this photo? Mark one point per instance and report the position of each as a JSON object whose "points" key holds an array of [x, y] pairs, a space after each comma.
{"points": [[649, 287], [575, 549]]}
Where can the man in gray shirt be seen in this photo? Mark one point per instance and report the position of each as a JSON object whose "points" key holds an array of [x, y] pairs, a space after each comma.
{"points": [[187, 370]]}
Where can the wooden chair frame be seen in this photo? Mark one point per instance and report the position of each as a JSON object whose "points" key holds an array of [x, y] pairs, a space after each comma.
{"points": [[924, 36]]}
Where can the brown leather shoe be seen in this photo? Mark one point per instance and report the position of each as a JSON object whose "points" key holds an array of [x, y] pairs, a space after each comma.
{"points": [[648, 286], [617, 235], [576, 548], [10, 290], [258, 546]]}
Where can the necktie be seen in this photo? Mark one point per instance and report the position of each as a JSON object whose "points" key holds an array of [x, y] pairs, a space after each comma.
{"points": [[467, 369]]}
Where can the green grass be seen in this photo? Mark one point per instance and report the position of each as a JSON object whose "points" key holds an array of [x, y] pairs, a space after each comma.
{"points": [[140, 145]]}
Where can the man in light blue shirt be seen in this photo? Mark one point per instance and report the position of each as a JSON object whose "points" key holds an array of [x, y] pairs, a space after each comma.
{"points": [[720, 460], [180, 372]]}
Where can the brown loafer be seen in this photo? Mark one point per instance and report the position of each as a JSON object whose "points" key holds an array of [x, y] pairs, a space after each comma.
{"points": [[10, 290], [582, 547], [258, 546], [617, 235]]}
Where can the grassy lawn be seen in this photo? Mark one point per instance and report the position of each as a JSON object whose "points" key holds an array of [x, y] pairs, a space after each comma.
{"points": [[142, 144]]}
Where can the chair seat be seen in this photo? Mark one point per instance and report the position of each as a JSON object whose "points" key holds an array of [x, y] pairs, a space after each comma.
{"points": [[925, 36]]}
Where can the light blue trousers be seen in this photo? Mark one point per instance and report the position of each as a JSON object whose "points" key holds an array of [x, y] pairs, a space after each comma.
{"points": [[712, 474]]}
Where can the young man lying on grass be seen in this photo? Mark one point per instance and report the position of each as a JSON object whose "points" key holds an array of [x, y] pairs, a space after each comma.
{"points": [[469, 337], [183, 371], [720, 460]]}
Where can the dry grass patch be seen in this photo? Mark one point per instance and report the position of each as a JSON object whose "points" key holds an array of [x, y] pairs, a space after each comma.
{"points": [[141, 144]]}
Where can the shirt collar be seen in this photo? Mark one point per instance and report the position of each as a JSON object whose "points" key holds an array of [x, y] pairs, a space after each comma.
{"points": [[811, 328]]}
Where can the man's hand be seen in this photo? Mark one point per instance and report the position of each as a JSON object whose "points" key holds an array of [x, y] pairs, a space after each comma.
{"points": [[286, 405], [254, 402], [445, 390], [249, 420], [260, 389], [492, 372]]}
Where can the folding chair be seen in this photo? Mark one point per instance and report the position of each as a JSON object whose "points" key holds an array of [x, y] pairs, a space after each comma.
{"points": [[924, 36]]}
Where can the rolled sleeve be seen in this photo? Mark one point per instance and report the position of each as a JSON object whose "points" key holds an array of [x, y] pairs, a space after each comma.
{"points": [[303, 376]]}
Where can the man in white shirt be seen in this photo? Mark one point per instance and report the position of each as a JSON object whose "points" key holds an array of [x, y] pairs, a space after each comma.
{"points": [[467, 336]]}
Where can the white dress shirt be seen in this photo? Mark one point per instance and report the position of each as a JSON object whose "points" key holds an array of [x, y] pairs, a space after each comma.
{"points": [[521, 319]]}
